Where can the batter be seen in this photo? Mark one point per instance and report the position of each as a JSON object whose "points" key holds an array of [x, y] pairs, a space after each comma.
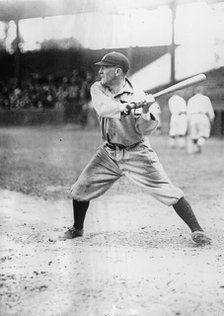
{"points": [[125, 150]]}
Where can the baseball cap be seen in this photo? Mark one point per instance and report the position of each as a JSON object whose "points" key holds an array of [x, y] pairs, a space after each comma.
{"points": [[114, 59]]}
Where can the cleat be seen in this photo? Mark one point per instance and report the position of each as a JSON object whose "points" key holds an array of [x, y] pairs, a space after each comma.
{"points": [[72, 233], [200, 238]]}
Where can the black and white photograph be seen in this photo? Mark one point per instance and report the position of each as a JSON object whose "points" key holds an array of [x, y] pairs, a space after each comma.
{"points": [[111, 158]]}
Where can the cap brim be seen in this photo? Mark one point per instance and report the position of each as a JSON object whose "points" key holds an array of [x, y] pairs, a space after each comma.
{"points": [[103, 63]]}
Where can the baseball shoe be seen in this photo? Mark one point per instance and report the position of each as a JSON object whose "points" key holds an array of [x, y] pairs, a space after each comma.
{"points": [[72, 233], [200, 238]]}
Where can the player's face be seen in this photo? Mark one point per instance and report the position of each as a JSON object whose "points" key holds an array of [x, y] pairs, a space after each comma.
{"points": [[108, 75]]}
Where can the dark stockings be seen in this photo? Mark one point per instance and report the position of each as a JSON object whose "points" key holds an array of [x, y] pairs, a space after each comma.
{"points": [[184, 210], [79, 212]]}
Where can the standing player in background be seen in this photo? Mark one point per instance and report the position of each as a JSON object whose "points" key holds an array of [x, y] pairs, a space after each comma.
{"points": [[200, 115], [125, 150], [178, 120]]}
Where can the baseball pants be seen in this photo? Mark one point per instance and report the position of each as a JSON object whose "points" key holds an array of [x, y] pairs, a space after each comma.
{"points": [[178, 125], [140, 164], [199, 125]]}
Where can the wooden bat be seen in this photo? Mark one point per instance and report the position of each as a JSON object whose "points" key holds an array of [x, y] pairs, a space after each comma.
{"points": [[180, 85]]}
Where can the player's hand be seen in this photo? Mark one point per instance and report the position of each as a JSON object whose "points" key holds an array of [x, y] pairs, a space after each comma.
{"points": [[126, 109], [149, 100]]}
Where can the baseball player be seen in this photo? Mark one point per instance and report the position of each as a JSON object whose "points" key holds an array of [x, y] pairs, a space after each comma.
{"points": [[178, 120], [200, 115], [125, 151]]}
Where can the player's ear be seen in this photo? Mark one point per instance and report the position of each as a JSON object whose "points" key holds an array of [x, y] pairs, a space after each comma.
{"points": [[118, 71]]}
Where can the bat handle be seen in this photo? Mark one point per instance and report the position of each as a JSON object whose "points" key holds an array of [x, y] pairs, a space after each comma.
{"points": [[134, 105], [137, 105]]}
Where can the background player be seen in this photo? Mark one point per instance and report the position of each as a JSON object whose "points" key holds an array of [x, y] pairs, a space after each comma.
{"points": [[200, 115], [178, 120]]}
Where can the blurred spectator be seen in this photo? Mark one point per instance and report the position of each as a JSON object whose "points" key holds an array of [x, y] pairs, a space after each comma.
{"points": [[200, 115], [178, 120], [69, 93]]}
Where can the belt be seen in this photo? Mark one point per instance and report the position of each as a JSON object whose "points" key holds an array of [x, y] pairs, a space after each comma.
{"points": [[115, 146]]}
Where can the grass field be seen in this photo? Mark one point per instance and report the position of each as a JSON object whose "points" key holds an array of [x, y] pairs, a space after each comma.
{"points": [[45, 161]]}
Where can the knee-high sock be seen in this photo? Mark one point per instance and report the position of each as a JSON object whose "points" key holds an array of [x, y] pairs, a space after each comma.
{"points": [[79, 212], [184, 210]]}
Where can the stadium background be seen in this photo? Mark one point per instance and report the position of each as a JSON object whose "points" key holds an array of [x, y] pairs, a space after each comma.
{"points": [[55, 63]]}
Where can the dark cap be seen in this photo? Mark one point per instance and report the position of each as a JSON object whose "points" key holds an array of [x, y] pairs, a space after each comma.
{"points": [[115, 59]]}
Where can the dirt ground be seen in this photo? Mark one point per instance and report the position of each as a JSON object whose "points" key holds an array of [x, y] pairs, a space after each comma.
{"points": [[135, 259]]}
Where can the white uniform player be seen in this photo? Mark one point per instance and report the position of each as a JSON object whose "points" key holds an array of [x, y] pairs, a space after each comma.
{"points": [[200, 115], [178, 121]]}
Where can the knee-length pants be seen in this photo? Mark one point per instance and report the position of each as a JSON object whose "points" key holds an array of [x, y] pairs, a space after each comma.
{"points": [[140, 164]]}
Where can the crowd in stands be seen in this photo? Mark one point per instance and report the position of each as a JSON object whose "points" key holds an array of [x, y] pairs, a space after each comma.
{"points": [[50, 93]]}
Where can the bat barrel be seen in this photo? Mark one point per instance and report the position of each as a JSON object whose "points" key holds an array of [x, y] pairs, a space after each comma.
{"points": [[181, 85]]}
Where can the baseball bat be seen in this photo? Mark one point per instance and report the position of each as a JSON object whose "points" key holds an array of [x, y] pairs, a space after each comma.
{"points": [[180, 85]]}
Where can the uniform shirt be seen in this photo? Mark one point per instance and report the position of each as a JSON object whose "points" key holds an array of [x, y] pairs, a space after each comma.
{"points": [[116, 128], [177, 105], [200, 104]]}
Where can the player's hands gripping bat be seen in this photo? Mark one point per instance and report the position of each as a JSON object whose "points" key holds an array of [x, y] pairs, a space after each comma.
{"points": [[178, 86]]}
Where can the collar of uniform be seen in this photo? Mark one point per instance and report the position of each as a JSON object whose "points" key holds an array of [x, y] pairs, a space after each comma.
{"points": [[128, 88]]}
